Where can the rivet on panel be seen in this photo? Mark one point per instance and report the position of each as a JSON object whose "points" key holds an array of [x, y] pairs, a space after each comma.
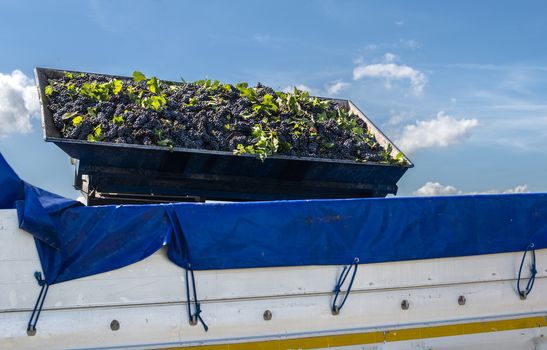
{"points": [[267, 315]]}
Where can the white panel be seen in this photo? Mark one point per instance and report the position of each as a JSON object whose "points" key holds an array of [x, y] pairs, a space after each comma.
{"points": [[242, 320]]}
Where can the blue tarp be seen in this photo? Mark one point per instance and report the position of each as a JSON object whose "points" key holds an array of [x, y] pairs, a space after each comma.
{"points": [[74, 241], [11, 187]]}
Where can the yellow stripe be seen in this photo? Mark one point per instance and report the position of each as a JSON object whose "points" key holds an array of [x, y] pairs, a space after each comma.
{"points": [[380, 337]]}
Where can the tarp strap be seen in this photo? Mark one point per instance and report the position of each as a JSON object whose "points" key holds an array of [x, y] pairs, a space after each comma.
{"points": [[524, 293], [31, 327], [193, 317], [345, 273]]}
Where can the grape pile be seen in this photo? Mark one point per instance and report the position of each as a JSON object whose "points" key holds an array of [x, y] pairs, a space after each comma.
{"points": [[209, 115]]}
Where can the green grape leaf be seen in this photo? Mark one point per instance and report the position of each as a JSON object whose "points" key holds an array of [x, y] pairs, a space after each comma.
{"points": [[138, 76]]}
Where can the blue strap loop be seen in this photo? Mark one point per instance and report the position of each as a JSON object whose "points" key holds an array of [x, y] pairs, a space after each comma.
{"points": [[337, 289], [178, 233], [193, 317], [31, 327], [533, 272]]}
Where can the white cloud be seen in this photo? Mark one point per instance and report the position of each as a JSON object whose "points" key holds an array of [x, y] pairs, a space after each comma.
{"points": [[518, 189], [391, 71], [18, 103], [329, 90], [412, 44], [389, 57], [267, 38], [302, 87], [397, 118], [261, 38], [437, 189], [336, 87], [442, 131]]}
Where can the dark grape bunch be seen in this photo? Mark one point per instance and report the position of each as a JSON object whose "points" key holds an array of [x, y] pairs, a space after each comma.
{"points": [[209, 115]]}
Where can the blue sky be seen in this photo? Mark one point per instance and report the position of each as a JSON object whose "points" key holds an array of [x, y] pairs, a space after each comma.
{"points": [[462, 85]]}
